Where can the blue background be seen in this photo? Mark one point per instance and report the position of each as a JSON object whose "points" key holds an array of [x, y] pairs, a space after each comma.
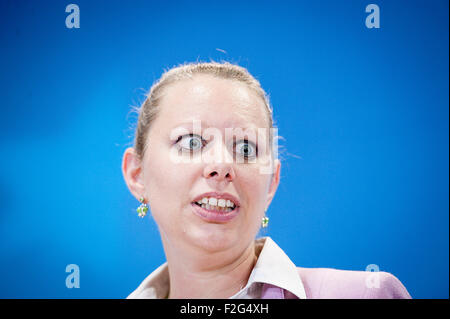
{"points": [[364, 115]]}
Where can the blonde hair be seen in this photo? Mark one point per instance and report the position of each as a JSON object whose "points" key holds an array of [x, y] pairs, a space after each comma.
{"points": [[224, 70]]}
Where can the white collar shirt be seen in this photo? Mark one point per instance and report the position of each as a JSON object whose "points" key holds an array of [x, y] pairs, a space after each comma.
{"points": [[272, 267]]}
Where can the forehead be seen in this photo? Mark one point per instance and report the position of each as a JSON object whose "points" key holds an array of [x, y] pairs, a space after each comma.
{"points": [[214, 100]]}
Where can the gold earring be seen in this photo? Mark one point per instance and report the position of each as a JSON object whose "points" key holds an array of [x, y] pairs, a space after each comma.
{"points": [[143, 208]]}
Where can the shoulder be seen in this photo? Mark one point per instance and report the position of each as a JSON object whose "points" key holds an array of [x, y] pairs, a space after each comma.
{"points": [[328, 283], [155, 286]]}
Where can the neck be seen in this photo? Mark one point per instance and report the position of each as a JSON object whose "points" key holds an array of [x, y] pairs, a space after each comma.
{"points": [[202, 275]]}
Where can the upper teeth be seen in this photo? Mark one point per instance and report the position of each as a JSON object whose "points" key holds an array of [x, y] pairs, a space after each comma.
{"points": [[212, 201]]}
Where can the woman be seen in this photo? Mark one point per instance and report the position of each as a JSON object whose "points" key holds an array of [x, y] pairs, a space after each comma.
{"points": [[204, 161]]}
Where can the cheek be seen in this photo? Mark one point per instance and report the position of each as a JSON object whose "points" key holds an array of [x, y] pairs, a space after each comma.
{"points": [[255, 187], [167, 186], [163, 180], [160, 171]]}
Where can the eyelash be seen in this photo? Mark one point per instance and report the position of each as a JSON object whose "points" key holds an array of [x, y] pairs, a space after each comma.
{"points": [[251, 145], [190, 135], [204, 142]]}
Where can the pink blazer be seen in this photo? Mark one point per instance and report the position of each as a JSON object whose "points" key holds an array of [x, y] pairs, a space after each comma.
{"points": [[327, 283]]}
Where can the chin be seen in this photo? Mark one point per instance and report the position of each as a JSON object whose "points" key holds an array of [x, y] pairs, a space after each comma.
{"points": [[215, 237]]}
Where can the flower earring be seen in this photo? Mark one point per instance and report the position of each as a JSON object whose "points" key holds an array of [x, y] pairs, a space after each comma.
{"points": [[143, 208], [265, 220]]}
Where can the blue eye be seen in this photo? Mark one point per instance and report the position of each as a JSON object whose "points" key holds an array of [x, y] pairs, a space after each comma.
{"points": [[246, 149], [191, 142]]}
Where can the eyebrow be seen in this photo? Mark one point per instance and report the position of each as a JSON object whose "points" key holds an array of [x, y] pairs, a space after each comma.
{"points": [[190, 123]]}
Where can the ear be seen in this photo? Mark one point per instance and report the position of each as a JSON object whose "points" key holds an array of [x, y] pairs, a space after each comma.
{"points": [[132, 172], [275, 181]]}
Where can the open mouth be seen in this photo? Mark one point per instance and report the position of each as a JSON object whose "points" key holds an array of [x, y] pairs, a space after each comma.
{"points": [[216, 205], [216, 208]]}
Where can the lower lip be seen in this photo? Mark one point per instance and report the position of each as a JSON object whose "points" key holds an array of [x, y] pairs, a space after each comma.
{"points": [[214, 217]]}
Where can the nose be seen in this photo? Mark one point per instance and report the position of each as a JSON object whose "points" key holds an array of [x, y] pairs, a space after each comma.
{"points": [[219, 166], [219, 172]]}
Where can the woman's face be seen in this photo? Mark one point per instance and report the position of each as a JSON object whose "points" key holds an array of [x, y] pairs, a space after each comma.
{"points": [[196, 116]]}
